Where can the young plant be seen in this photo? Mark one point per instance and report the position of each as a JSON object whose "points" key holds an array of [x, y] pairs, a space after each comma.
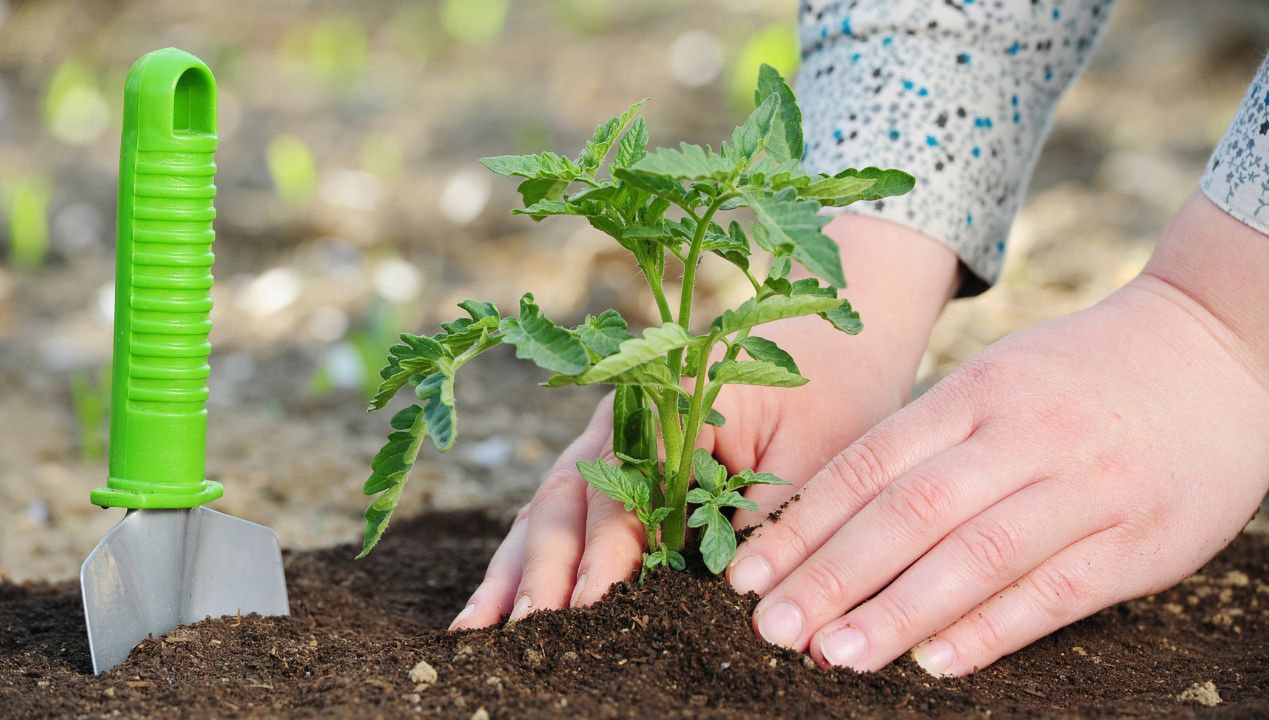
{"points": [[663, 206]]}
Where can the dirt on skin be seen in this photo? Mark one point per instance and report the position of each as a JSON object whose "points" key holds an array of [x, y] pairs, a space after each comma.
{"points": [[681, 646]]}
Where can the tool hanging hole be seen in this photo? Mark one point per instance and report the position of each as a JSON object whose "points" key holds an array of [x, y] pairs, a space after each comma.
{"points": [[194, 103]]}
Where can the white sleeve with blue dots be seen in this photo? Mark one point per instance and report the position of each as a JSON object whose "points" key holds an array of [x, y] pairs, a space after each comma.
{"points": [[1237, 176], [960, 93]]}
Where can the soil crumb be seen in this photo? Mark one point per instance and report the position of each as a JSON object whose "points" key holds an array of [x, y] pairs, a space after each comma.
{"points": [[367, 639]]}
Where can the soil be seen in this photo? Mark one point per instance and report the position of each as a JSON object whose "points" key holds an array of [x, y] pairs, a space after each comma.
{"points": [[678, 647]]}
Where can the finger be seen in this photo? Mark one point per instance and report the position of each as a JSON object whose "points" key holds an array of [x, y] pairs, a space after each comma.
{"points": [[614, 547], [906, 519], [492, 599], [1074, 584], [556, 526], [987, 553], [939, 420], [793, 458]]}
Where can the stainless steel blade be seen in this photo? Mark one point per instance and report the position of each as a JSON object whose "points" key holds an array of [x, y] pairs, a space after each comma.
{"points": [[158, 569]]}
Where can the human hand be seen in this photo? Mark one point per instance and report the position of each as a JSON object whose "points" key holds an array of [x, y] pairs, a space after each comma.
{"points": [[1097, 458], [571, 543]]}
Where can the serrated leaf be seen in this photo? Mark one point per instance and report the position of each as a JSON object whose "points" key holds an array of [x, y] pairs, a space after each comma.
{"points": [[745, 478], [604, 334], [655, 343], [675, 560], [657, 517], [633, 145], [754, 372], [439, 412], [785, 142], [750, 137], [764, 349], [769, 309], [844, 318], [731, 245], [718, 543], [625, 485], [605, 136], [699, 496], [544, 208], [415, 355], [885, 183], [658, 185], [546, 165], [689, 162], [536, 189], [796, 223], [709, 474], [731, 498], [389, 471], [548, 345]]}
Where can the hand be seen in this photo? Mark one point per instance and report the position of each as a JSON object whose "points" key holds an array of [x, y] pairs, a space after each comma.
{"points": [[570, 543], [1100, 457]]}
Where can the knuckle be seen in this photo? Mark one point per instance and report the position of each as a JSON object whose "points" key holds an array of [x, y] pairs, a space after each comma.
{"points": [[825, 584], [992, 548], [985, 630], [522, 515], [900, 617], [858, 472], [918, 501], [560, 482], [1056, 591]]}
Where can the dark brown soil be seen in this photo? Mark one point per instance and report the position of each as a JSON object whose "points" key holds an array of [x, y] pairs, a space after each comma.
{"points": [[679, 647]]}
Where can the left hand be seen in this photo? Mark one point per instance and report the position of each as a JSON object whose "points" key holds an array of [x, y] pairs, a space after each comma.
{"points": [[1097, 458]]}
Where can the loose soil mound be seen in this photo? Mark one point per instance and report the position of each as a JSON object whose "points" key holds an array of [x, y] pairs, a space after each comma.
{"points": [[679, 647]]}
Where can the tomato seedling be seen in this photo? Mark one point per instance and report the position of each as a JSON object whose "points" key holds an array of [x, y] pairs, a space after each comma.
{"points": [[663, 207]]}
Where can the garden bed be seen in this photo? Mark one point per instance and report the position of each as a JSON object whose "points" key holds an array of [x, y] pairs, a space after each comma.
{"points": [[358, 628]]}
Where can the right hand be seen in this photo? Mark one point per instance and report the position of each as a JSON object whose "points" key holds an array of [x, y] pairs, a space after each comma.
{"points": [[571, 543]]}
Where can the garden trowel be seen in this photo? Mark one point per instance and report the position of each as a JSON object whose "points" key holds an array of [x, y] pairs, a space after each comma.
{"points": [[170, 561]]}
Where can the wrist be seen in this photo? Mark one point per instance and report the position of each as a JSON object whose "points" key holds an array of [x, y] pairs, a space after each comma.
{"points": [[1218, 269]]}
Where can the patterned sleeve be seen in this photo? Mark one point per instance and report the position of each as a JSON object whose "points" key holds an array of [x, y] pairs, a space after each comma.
{"points": [[960, 93], [1237, 177]]}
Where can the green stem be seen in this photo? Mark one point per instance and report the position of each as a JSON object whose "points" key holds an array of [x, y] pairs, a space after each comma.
{"points": [[659, 293]]}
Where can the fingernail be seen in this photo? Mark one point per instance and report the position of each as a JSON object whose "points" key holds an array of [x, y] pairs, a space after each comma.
{"points": [[752, 574], [781, 624], [521, 609], [466, 613], [934, 656], [577, 590], [845, 647]]}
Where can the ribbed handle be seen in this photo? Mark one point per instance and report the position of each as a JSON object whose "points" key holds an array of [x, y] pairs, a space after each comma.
{"points": [[163, 286]]}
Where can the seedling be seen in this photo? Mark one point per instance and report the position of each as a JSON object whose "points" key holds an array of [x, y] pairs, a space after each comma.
{"points": [[663, 206]]}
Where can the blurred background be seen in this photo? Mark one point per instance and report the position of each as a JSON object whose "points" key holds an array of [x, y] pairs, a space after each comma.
{"points": [[351, 208]]}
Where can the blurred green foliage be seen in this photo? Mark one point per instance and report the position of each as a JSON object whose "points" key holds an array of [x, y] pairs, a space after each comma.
{"points": [[91, 400], [292, 168], [474, 22], [775, 45], [28, 223], [74, 109]]}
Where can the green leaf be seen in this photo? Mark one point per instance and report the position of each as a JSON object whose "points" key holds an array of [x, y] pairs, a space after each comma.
{"points": [[699, 496], [775, 307], [416, 355], [656, 517], [885, 183], [439, 412], [540, 165], [745, 478], [754, 372], [718, 543], [537, 189], [605, 136], [548, 345], [675, 560], [751, 136], [658, 185], [633, 424], [796, 223], [709, 474], [785, 142], [655, 343], [633, 145], [764, 349], [603, 335], [732, 245], [689, 162], [731, 498], [844, 318], [545, 208], [389, 471], [625, 485]]}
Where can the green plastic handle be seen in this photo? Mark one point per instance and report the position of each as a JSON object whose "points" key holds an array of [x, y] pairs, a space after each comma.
{"points": [[158, 422]]}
